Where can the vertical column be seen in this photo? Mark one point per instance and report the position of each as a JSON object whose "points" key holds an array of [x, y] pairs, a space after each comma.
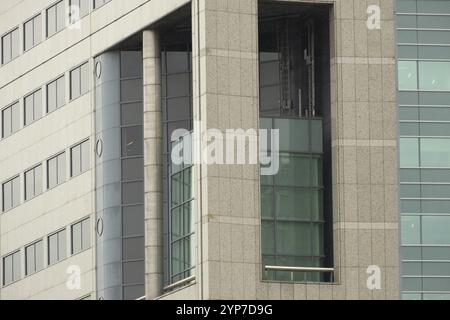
{"points": [[226, 90], [153, 165]]}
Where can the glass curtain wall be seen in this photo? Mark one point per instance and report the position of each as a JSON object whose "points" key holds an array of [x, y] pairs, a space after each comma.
{"points": [[423, 52]]}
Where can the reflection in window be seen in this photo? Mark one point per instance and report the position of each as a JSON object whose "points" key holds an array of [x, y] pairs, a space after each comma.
{"points": [[410, 230], [407, 75], [434, 75]]}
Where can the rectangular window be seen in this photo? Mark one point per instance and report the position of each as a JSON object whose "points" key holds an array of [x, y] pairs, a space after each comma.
{"points": [[33, 107], [407, 75], [99, 3], [34, 258], [33, 182], [79, 159], [32, 32], [10, 120], [434, 75], [11, 268], [57, 247], [56, 19], [81, 236], [56, 171], [10, 46], [56, 96], [11, 194], [79, 81], [78, 9]]}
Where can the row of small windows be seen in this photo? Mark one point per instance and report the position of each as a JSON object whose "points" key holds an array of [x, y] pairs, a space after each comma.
{"points": [[80, 240], [55, 97], [55, 173], [55, 17]]}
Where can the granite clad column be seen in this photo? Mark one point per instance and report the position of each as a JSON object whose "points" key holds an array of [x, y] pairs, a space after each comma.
{"points": [[153, 165]]}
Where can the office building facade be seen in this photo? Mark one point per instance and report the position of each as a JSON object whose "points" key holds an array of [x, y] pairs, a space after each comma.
{"points": [[424, 91], [98, 97]]}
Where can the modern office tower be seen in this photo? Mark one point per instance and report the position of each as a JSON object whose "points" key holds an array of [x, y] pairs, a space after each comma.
{"points": [[423, 48], [105, 103]]}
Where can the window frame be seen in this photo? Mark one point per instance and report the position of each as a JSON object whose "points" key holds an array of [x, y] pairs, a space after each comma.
{"points": [[35, 194], [55, 6], [82, 224], [58, 258], [58, 182], [33, 94], [81, 168], [79, 69], [12, 255], [24, 40], [9, 33], [12, 106], [36, 270], [61, 77], [13, 206]]}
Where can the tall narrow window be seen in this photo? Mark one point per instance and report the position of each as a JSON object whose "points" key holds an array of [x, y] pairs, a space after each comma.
{"points": [[79, 9], [33, 107], [81, 236], [11, 194], [57, 250], [11, 268], [79, 81], [296, 202], [10, 120], [79, 159], [32, 32], [56, 96], [10, 46], [34, 258], [56, 19], [177, 114], [56, 171], [33, 182]]}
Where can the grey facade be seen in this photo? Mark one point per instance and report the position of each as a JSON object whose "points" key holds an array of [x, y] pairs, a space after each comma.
{"points": [[91, 106]]}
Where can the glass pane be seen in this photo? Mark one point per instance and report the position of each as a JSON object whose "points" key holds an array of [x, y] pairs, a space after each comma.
{"points": [[7, 196], [133, 292], [28, 34], [6, 123], [130, 64], [435, 152], [133, 248], [131, 90], [6, 48], [84, 78], [15, 118], [75, 162], [267, 199], [16, 266], [407, 75], [293, 239], [29, 185], [178, 108], [409, 152], [133, 193], [37, 32], [7, 270], [61, 92], [51, 97], [133, 218], [51, 21], [75, 83], [132, 144], [15, 44], [53, 249], [37, 105], [85, 156], [435, 230], [52, 173], [16, 192], [86, 234], [61, 168], [177, 189], [60, 16], [268, 237], [294, 204], [133, 272], [177, 61], [294, 171], [62, 242], [132, 169], [29, 260], [178, 85], [39, 255], [76, 238], [38, 181], [410, 226], [434, 75], [132, 114], [177, 224]]}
